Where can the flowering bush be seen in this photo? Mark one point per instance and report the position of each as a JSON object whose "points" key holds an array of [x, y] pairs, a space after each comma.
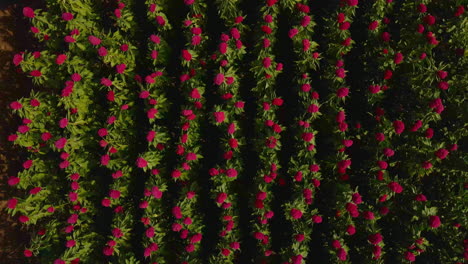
{"points": [[158, 132]]}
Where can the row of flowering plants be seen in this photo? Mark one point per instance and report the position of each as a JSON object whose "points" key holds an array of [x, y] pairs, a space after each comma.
{"points": [[130, 96], [226, 116], [267, 127], [187, 219], [340, 43], [154, 203], [303, 169]]}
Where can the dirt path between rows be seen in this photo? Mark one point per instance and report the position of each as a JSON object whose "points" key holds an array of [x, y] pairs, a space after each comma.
{"points": [[14, 37]]}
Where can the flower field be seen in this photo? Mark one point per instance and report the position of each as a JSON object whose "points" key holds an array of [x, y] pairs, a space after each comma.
{"points": [[243, 131]]}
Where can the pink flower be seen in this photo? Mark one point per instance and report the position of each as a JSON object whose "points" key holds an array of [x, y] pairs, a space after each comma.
{"points": [[106, 82], [296, 213], [28, 12], [94, 40], [340, 73], [63, 123], [219, 117], [409, 256], [189, 2], [341, 253], [395, 187], [398, 58], [70, 243], [342, 92], [434, 221], [219, 79], [388, 152], [17, 59], [176, 212], [36, 73], [441, 153], [23, 219], [141, 163], [114, 194], [67, 16], [108, 251], [16, 105], [352, 2], [221, 197], [60, 144], [399, 126], [373, 25], [11, 204], [293, 32], [186, 55], [443, 85], [27, 253], [102, 51], [231, 172], [120, 68], [351, 230], [105, 159]]}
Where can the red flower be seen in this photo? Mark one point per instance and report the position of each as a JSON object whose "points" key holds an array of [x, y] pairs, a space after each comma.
{"points": [[108, 251], [373, 25], [266, 29], [231, 173], [351, 230], [443, 85], [460, 11], [36, 73], [94, 40], [293, 32], [434, 221], [345, 25], [60, 144], [341, 253], [399, 126], [63, 123], [27, 253], [398, 58], [67, 16], [296, 213], [429, 19], [442, 74], [186, 55], [28, 12], [340, 73], [219, 79], [114, 194], [271, 142], [441, 153], [219, 117], [352, 209], [409, 256], [395, 187], [23, 219], [271, 2], [176, 212], [422, 8], [352, 2], [141, 163], [106, 82], [120, 68], [11, 204], [17, 59]]}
